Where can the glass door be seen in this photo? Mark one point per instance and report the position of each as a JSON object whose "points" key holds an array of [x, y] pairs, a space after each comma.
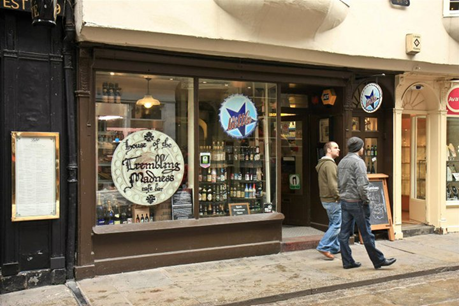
{"points": [[294, 203]]}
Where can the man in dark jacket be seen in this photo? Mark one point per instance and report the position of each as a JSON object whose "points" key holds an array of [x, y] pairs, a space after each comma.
{"points": [[353, 191], [328, 191]]}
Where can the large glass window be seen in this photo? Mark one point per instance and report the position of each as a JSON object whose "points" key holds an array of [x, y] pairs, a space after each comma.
{"points": [[452, 163], [127, 103], [420, 157], [237, 123]]}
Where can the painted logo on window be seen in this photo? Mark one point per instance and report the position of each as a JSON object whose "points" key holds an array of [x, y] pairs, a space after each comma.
{"points": [[147, 167], [452, 102], [238, 116], [371, 98]]}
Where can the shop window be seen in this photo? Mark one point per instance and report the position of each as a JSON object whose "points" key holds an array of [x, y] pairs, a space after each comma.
{"points": [[371, 154], [237, 147], [128, 103], [451, 8], [420, 157], [371, 124], [452, 163]]}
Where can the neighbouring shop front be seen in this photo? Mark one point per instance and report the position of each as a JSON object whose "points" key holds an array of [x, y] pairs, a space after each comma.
{"points": [[189, 158]]}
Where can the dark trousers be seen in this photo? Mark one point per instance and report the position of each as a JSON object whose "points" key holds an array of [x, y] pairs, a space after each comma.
{"points": [[360, 214]]}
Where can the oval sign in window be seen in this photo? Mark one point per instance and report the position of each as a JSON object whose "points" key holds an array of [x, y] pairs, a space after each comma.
{"points": [[147, 167]]}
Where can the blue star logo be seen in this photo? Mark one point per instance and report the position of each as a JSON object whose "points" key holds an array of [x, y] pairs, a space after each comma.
{"points": [[371, 100], [234, 114]]}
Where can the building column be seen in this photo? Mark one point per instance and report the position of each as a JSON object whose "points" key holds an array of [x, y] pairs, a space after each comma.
{"points": [[397, 174]]}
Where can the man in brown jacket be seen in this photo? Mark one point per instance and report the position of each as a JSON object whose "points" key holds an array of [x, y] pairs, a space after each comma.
{"points": [[328, 191]]}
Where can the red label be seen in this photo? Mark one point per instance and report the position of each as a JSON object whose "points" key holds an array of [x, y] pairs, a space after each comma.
{"points": [[453, 102]]}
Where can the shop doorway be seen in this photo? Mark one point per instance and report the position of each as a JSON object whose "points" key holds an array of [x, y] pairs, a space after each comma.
{"points": [[294, 181], [414, 167]]}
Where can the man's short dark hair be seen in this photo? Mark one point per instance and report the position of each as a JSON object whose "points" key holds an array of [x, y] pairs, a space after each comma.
{"points": [[327, 146]]}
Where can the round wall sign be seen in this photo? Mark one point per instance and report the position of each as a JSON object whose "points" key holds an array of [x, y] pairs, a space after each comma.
{"points": [[453, 101], [238, 116], [371, 98], [147, 167]]}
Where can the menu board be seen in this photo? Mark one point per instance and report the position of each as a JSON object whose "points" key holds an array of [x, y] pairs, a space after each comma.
{"points": [[239, 209], [35, 176], [182, 204], [377, 203]]}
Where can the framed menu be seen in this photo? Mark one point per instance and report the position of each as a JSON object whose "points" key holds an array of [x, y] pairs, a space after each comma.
{"points": [[35, 176]]}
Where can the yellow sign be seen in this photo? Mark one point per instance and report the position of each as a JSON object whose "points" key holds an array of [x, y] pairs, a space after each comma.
{"points": [[328, 97]]}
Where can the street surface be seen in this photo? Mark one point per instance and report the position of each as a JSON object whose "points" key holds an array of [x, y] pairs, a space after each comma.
{"points": [[437, 289]]}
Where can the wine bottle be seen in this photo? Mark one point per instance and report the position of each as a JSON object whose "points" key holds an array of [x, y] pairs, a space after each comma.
{"points": [[100, 212], [129, 215]]}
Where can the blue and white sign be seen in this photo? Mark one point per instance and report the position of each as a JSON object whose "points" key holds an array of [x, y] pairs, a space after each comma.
{"points": [[238, 116], [371, 97]]}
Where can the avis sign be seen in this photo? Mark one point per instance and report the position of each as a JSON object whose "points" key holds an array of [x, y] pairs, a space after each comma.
{"points": [[452, 102], [147, 167]]}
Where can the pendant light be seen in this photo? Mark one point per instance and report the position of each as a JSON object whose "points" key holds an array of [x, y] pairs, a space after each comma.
{"points": [[148, 101]]}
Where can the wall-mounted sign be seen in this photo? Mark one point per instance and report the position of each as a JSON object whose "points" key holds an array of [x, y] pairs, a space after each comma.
{"points": [[147, 167], [25, 6], [35, 176], [371, 98], [452, 102], [238, 116], [328, 97]]}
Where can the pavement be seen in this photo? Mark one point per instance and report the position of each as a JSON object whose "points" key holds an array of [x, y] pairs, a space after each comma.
{"points": [[253, 280]]}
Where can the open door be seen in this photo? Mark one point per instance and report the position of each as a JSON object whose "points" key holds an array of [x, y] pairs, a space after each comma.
{"points": [[294, 182]]}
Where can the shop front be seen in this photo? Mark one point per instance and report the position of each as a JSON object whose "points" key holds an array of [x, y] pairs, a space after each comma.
{"points": [[191, 158]]}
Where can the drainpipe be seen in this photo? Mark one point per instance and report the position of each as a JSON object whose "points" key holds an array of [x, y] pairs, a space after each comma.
{"points": [[72, 180]]}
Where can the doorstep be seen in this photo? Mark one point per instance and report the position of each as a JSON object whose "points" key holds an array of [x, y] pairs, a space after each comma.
{"points": [[300, 243]]}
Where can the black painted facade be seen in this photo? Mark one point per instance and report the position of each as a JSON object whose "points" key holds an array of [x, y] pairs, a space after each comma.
{"points": [[35, 65]]}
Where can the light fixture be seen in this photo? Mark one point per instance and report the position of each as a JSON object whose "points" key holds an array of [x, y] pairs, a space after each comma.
{"points": [[148, 101]]}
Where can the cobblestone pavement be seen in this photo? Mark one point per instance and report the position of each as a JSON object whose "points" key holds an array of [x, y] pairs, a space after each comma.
{"points": [[437, 289]]}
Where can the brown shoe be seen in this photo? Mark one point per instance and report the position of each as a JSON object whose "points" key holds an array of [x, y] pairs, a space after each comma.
{"points": [[327, 254]]}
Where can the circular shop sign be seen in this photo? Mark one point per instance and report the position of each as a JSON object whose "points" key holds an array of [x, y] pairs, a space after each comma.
{"points": [[147, 167], [238, 116], [453, 100], [371, 98]]}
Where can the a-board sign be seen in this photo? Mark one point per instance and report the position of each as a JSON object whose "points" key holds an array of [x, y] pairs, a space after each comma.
{"points": [[377, 203], [239, 209], [380, 217]]}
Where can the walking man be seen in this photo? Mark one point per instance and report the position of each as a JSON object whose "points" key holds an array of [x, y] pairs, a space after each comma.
{"points": [[353, 191], [328, 191]]}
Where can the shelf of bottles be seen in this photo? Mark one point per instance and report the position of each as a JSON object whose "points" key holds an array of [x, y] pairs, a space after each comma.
{"points": [[235, 175], [371, 154]]}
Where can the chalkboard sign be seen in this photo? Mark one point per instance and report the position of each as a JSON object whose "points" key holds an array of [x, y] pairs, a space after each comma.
{"points": [[239, 209], [380, 217], [182, 204], [377, 203]]}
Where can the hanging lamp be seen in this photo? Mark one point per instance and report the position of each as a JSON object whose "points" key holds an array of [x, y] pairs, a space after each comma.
{"points": [[148, 101]]}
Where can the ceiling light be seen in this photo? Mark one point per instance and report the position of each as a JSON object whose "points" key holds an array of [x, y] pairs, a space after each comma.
{"points": [[148, 101]]}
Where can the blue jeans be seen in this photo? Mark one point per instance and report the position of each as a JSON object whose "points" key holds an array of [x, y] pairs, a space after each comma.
{"points": [[359, 213], [329, 242]]}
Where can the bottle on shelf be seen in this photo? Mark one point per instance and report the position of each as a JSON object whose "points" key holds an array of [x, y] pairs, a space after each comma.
{"points": [[100, 212], [123, 215], [142, 219], [116, 213], [109, 214], [137, 219], [129, 214], [105, 92], [209, 176], [146, 218], [257, 153], [111, 93]]}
